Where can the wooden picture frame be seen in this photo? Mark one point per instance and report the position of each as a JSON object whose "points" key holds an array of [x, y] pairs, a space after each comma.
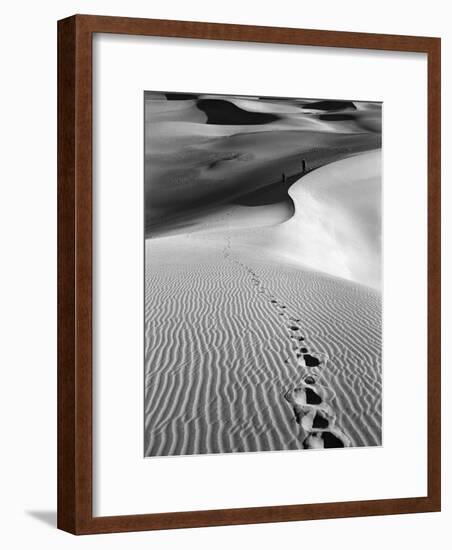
{"points": [[75, 223]]}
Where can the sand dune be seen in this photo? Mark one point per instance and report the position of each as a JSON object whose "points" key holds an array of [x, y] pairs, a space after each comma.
{"points": [[262, 274], [221, 352], [202, 151], [336, 226], [222, 216]]}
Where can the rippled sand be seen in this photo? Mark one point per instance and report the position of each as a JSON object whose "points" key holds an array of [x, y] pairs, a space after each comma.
{"points": [[263, 273], [249, 351]]}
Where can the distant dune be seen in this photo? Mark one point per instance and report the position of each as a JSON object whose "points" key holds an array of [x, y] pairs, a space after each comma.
{"points": [[205, 151], [226, 113]]}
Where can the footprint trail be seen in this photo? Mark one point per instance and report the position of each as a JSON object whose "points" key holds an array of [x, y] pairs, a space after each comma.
{"points": [[311, 401]]}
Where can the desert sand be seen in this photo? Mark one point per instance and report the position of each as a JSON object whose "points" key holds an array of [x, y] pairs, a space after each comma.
{"points": [[263, 301], [194, 161]]}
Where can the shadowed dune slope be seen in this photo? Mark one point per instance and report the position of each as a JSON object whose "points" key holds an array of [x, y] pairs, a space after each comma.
{"points": [[203, 151], [223, 112]]}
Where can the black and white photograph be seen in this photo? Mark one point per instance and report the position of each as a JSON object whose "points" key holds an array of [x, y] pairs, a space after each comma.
{"points": [[223, 261], [263, 275]]}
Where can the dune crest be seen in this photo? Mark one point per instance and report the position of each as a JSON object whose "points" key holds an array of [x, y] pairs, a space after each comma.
{"points": [[336, 225]]}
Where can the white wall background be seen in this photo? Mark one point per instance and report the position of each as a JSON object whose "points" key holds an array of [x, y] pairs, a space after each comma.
{"points": [[28, 272]]}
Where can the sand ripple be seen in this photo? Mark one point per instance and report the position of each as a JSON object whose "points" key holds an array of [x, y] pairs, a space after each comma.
{"points": [[228, 340]]}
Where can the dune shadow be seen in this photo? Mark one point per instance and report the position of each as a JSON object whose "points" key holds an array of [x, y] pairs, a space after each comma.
{"points": [[222, 112]]}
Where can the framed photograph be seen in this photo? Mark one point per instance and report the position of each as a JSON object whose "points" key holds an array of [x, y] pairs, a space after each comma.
{"points": [[248, 274]]}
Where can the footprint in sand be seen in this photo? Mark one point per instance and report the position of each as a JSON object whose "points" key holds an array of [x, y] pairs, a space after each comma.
{"points": [[310, 401], [313, 412], [312, 359], [325, 440]]}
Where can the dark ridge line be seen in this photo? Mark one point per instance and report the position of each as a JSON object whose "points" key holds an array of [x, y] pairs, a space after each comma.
{"points": [[272, 193], [253, 198]]}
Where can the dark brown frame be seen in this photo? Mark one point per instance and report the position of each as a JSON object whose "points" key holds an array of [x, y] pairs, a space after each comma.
{"points": [[75, 274]]}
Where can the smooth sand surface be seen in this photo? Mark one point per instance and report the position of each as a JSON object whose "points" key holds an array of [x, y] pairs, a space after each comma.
{"points": [[247, 349], [336, 224]]}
